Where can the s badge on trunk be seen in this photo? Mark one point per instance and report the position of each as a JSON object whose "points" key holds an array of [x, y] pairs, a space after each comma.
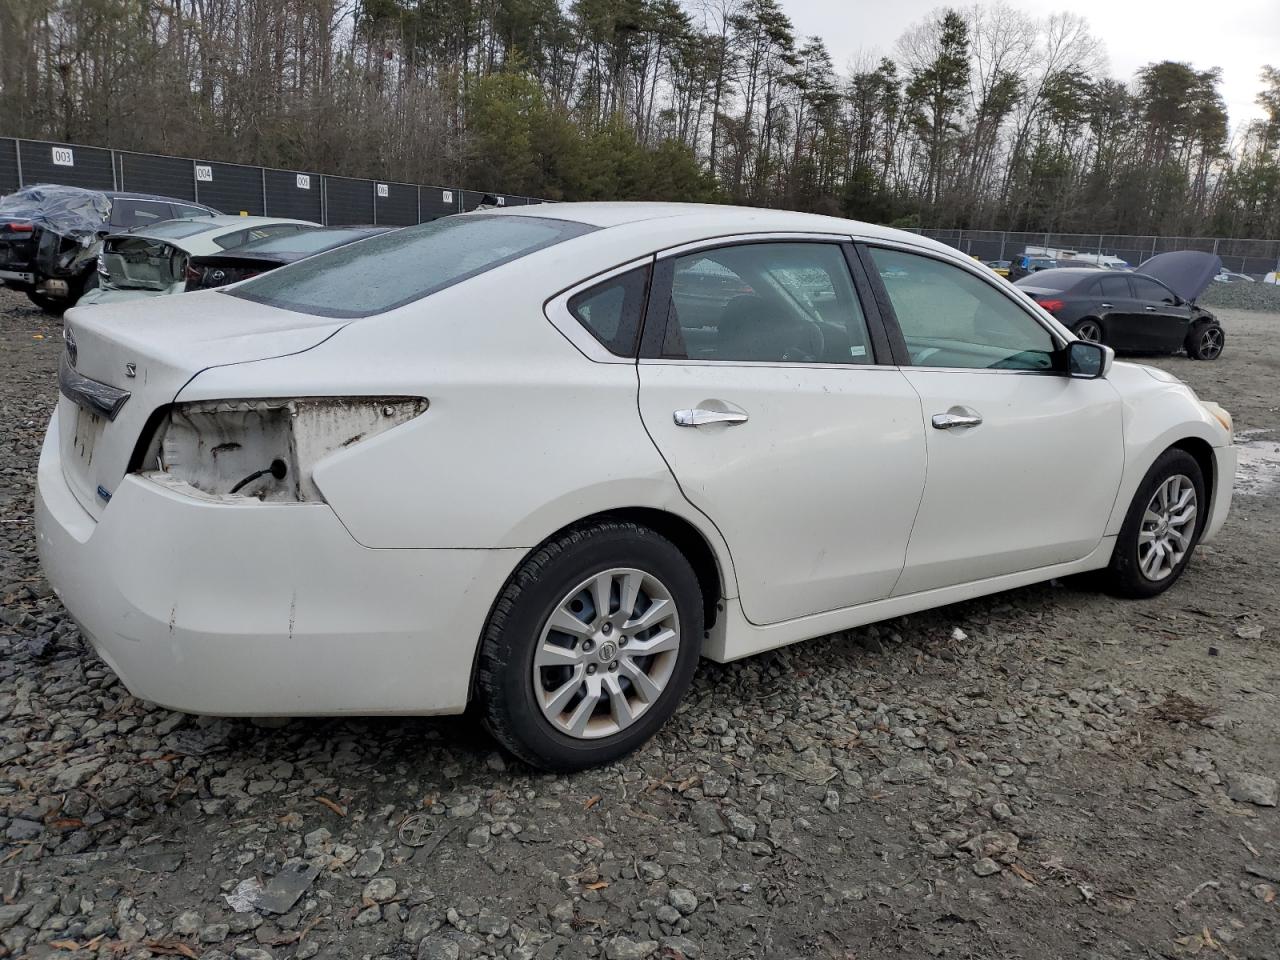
{"points": [[130, 369]]}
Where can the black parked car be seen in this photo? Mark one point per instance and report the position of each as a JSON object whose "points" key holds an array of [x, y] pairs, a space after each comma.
{"points": [[219, 269], [1152, 310], [50, 236]]}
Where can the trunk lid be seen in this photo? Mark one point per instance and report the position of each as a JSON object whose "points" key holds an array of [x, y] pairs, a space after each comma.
{"points": [[136, 356], [139, 263]]}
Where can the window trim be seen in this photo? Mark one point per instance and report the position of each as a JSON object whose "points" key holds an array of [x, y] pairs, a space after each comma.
{"points": [[653, 334], [556, 310], [899, 342]]}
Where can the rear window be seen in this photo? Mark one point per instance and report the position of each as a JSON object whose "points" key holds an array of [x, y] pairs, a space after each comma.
{"points": [[1050, 280], [175, 229], [388, 271], [308, 241]]}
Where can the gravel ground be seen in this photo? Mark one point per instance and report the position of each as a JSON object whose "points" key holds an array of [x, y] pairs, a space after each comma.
{"points": [[1242, 295], [1043, 773]]}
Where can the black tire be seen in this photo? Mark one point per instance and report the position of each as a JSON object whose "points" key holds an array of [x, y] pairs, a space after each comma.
{"points": [[1124, 576], [1205, 341], [504, 680], [54, 306], [1089, 329]]}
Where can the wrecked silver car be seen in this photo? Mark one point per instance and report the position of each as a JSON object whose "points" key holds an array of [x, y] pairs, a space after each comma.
{"points": [[50, 236]]}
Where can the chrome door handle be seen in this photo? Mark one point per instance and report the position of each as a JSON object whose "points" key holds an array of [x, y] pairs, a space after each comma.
{"points": [[948, 421], [700, 416], [1150, 309], [1106, 306]]}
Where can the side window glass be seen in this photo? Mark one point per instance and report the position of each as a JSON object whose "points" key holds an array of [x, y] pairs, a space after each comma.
{"points": [[183, 212], [612, 310], [1116, 288], [766, 302], [1151, 291], [229, 240], [950, 318]]}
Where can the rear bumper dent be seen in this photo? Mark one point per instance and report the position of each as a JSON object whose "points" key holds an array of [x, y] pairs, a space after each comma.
{"points": [[262, 609]]}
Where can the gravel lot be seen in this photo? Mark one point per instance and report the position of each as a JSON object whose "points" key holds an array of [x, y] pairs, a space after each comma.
{"points": [[1044, 773]]}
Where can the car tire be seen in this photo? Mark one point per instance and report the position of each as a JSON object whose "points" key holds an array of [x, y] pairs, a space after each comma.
{"points": [[1205, 341], [533, 680], [1131, 572], [54, 306], [1090, 330]]}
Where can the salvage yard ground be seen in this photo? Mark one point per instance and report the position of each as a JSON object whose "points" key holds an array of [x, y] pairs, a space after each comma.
{"points": [[1046, 773]]}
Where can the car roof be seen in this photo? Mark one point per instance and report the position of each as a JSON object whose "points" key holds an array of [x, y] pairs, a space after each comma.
{"points": [[733, 219], [127, 195]]}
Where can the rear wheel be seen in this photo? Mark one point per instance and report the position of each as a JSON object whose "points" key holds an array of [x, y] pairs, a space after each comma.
{"points": [[590, 647], [1205, 341], [55, 306], [1161, 529], [1090, 330]]}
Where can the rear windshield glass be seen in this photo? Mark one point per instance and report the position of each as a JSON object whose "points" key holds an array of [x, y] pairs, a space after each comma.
{"points": [[388, 271], [176, 229], [308, 241], [1051, 280]]}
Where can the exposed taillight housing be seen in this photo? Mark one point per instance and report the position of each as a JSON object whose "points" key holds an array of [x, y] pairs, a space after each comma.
{"points": [[20, 227], [193, 274], [262, 449]]}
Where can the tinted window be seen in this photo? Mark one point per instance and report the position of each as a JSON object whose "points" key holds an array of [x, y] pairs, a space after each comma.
{"points": [[1147, 289], [1115, 287], [308, 240], [766, 302], [183, 212], [612, 310], [951, 318], [133, 213], [393, 269], [230, 241]]}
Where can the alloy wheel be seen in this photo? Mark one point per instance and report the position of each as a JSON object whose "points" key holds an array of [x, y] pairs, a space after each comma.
{"points": [[1211, 340], [1089, 331], [1167, 528], [606, 653]]}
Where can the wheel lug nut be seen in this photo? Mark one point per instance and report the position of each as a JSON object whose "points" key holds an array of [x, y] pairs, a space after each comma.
{"points": [[607, 629], [588, 646], [622, 641], [591, 668], [614, 665]]}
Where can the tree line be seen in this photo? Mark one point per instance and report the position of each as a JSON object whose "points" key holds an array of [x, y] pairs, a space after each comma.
{"points": [[983, 117]]}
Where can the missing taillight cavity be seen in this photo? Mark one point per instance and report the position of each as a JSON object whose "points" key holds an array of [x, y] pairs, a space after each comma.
{"points": [[265, 449]]}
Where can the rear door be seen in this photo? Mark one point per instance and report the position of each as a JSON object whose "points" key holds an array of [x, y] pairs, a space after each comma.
{"points": [[775, 403], [1024, 462], [1115, 307]]}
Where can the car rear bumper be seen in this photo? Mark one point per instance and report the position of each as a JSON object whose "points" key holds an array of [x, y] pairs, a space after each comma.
{"points": [[1224, 469], [262, 609]]}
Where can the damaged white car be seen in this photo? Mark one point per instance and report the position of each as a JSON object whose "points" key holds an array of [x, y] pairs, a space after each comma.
{"points": [[153, 260], [545, 459]]}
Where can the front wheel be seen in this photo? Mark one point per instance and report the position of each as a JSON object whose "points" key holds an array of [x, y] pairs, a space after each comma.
{"points": [[1161, 529], [1089, 330], [590, 647], [1205, 341]]}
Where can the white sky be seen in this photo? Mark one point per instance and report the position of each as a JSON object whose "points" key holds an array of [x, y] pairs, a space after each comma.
{"points": [[1237, 35]]}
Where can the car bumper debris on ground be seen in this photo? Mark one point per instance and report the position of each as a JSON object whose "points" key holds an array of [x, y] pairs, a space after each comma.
{"points": [[1042, 773]]}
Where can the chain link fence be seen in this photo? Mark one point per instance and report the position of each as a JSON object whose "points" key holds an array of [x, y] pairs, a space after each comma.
{"points": [[237, 188], [1253, 257]]}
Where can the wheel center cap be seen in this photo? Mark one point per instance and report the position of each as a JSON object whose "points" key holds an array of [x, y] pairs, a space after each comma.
{"points": [[608, 650]]}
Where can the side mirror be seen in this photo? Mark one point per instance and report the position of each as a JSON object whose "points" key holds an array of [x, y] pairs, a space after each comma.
{"points": [[1088, 361]]}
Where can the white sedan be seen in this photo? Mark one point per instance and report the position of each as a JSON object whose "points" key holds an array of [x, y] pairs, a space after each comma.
{"points": [[547, 458]]}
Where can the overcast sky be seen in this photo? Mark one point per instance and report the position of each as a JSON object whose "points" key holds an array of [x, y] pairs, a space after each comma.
{"points": [[1237, 35]]}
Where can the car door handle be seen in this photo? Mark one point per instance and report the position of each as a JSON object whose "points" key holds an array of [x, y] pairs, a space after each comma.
{"points": [[701, 416], [1106, 306], [1149, 309], [949, 421]]}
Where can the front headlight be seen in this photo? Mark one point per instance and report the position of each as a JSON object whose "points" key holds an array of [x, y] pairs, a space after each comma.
{"points": [[1222, 415], [264, 449]]}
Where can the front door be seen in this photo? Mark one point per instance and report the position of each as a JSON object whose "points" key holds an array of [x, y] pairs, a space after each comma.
{"points": [[1024, 462], [1159, 322], [763, 393]]}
